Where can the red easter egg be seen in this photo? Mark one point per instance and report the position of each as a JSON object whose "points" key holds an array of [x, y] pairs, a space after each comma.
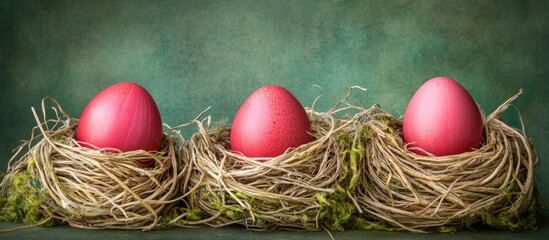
{"points": [[443, 119], [123, 116], [270, 121]]}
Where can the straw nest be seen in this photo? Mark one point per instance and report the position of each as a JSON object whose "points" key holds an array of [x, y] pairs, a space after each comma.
{"points": [[56, 179], [356, 173], [492, 185], [304, 188]]}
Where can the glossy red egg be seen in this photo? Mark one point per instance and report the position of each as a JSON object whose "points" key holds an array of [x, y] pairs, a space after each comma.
{"points": [[443, 119], [270, 121], [123, 116]]}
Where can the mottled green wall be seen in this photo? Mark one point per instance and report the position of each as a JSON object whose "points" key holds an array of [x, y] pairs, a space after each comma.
{"points": [[195, 54]]}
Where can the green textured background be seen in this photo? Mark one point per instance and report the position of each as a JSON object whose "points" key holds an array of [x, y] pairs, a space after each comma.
{"points": [[195, 54]]}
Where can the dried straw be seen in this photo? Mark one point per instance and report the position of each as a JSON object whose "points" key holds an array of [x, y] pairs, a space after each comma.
{"points": [[494, 184], [356, 173], [300, 189], [95, 188]]}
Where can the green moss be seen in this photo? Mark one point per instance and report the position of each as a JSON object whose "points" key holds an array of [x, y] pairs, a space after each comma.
{"points": [[234, 213], [515, 221], [309, 226], [244, 197], [261, 221], [172, 213], [351, 159], [447, 229], [22, 200], [508, 192], [360, 223], [337, 210], [195, 214]]}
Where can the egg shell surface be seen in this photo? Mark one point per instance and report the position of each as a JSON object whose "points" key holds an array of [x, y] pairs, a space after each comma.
{"points": [[443, 119], [123, 116], [270, 121]]}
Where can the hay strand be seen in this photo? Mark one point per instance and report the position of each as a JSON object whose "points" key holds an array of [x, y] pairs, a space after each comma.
{"points": [[356, 173], [295, 190], [90, 188], [494, 184]]}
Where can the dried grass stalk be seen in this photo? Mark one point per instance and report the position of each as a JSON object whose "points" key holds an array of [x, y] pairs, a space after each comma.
{"points": [[294, 190], [494, 184], [92, 188]]}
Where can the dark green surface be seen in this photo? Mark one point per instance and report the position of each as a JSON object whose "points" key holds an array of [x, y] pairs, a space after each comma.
{"points": [[195, 54], [239, 232]]}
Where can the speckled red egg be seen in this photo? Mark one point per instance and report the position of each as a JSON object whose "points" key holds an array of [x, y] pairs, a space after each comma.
{"points": [[270, 121], [443, 119]]}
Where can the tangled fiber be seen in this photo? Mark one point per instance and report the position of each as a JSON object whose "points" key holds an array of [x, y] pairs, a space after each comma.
{"points": [[492, 185], [356, 173], [304, 188], [56, 179]]}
